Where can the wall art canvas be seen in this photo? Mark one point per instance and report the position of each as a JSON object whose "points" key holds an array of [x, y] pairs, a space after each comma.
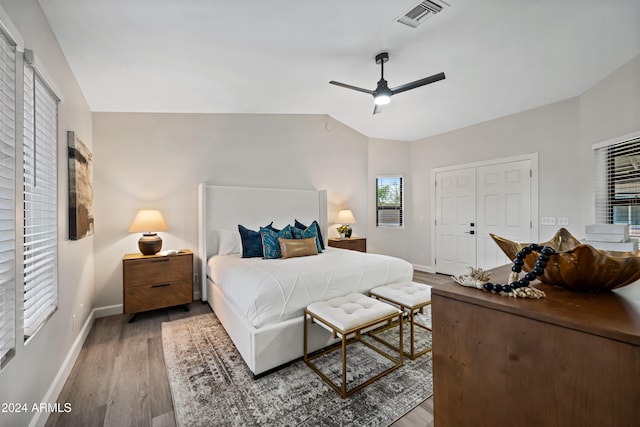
{"points": [[80, 188]]}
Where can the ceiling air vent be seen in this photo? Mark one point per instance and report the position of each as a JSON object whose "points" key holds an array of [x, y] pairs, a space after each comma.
{"points": [[420, 12]]}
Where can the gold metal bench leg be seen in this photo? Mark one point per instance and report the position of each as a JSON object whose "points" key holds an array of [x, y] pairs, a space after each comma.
{"points": [[344, 366], [401, 338], [412, 332]]}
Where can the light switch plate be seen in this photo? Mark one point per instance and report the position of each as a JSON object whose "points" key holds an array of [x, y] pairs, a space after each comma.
{"points": [[548, 220], [563, 220]]}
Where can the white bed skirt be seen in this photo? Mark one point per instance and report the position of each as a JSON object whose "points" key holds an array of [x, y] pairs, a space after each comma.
{"points": [[270, 346]]}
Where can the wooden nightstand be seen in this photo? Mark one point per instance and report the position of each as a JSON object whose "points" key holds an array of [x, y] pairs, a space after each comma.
{"points": [[151, 282], [353, 243]]}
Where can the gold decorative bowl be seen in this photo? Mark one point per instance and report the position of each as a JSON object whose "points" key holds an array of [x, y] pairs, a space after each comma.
{"points": [[579, 267]]}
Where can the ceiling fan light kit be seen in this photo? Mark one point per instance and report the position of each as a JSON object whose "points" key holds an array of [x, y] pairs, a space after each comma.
{"points": [[382, 99], [382, 94]]}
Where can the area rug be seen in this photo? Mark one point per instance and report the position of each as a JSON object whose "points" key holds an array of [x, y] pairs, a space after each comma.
{"points": [[212, 386]]}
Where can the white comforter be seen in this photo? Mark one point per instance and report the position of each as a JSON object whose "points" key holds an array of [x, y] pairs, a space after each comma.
{"points": [[271, 291]]}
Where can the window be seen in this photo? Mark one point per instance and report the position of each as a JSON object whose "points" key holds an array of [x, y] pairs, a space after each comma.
{"points": [[40, 200], [7, 197], [618, 184], [389, 201]]}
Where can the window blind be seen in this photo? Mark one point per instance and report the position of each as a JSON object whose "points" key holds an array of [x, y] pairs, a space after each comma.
{"points": [[389, 201], [40, 202], [7, 197], [618, 184]]}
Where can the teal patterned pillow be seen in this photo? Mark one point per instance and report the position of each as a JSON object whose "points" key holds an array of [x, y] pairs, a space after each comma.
{"points": [[310, 231], [301, 226], [270, 244]]}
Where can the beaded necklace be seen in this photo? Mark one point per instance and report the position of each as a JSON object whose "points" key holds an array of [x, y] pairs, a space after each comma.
{"points": [[517, 287]]}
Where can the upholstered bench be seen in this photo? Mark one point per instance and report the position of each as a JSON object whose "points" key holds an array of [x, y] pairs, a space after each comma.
{"points": [[411, 297], [347, 318]]}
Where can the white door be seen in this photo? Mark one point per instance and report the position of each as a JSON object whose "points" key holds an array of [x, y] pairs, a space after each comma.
{"points": [[455, 219], [472, 202], [504, 208]]}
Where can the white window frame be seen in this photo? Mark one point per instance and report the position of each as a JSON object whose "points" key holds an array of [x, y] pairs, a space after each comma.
{"points": [[10, 45], [40, 198], [604, 154], [402, 218]]}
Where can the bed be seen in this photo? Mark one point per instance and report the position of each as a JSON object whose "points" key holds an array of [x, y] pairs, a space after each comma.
{"points": [[260, 302]]}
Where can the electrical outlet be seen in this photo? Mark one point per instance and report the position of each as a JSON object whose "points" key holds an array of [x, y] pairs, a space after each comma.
{"points": [[548, 220], [196, 279], [73, 322], [563, 220]]}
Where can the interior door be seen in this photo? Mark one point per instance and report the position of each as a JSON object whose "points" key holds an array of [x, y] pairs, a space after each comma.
{"points": [[472, 202], [504, 208], [455, 220]]}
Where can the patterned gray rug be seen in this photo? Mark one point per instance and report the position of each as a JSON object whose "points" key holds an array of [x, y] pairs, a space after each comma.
{"points": [[211, 385]]}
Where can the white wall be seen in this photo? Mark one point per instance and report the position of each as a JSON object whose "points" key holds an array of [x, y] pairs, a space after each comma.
{"points": [[388, 157], [612, 107], [608, 110], [562, 133], [157, 160], [30, 374]]}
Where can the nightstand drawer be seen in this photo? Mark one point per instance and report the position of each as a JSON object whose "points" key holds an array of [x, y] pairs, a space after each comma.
{"points": [[355, 243], [159, 295], [145, 271]]}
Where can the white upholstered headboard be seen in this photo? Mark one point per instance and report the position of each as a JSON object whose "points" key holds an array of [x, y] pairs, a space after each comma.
{"points": [[221, 207]]}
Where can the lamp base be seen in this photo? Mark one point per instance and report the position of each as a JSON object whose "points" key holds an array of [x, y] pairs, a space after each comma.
{"points": [[150, 244], [347, 234]]}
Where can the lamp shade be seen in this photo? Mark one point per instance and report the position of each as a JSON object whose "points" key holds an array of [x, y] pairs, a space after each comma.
{"points": [[345, 217], [147, 221]]}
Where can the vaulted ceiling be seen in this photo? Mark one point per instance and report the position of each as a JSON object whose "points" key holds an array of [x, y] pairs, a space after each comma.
{"points": [[277, 56]]}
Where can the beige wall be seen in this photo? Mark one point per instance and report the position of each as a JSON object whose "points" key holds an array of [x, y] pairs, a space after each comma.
{"points": [[157, 160], [561, 133], [611, 108], [390, 158], [29, 376]]}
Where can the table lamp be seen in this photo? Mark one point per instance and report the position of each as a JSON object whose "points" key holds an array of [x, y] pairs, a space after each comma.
{"points": [[346, 217], [148, 222]]}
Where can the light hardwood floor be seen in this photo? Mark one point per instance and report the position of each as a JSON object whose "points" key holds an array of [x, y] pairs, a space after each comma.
{"points": [[120, 377]]}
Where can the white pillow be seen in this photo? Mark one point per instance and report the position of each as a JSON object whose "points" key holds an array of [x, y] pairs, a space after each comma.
{"points": [[228, 242]]}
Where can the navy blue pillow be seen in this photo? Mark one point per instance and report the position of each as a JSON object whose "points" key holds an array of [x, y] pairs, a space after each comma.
{"points": [[251, 241], [304, 227], [270, 243], [310, 231]]}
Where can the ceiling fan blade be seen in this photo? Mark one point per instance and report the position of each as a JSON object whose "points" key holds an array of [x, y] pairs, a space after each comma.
{"points": [[408, 86], [359, 89], [377, 109]]}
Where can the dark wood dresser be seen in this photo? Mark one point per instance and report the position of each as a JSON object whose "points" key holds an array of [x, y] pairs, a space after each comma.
{"points": [[154, 281], [570, 359]]}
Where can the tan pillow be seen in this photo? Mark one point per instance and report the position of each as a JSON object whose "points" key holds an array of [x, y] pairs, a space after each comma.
{"points": [[297, 247]]}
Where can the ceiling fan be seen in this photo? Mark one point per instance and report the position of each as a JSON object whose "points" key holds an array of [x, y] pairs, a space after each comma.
{"points": [[382, 94]]}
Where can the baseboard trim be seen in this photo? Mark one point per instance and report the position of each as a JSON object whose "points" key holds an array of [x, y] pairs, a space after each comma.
{"points": [[424, 268], [40, 418], [109, 310]]}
